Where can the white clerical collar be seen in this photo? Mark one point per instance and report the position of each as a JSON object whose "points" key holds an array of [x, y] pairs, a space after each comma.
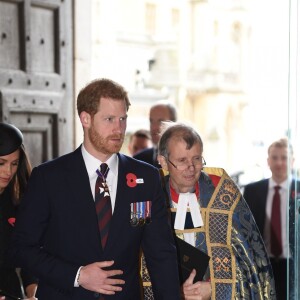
{"points": [[185, 201]]}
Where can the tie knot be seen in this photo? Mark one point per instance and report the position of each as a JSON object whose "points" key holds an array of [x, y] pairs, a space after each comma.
{"points": [[277, 188], [104, 169]]}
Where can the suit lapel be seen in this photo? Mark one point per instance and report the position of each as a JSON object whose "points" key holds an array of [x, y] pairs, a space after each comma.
{"points": [[77, 177], [78, 183], [262, 203]]}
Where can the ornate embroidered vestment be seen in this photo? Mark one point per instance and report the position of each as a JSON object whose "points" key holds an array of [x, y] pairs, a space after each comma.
{"points": [[239, 267]]}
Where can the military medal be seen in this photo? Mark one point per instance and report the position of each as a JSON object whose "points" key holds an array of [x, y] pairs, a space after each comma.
{"points": [[104, 188], [133, 221], [148, 213], [140, 213], [133, 216], [141, 221]]}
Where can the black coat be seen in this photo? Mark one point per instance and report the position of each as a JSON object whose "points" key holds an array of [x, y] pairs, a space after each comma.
{"points": [[255, 195], [147, 155], [9, 279]]}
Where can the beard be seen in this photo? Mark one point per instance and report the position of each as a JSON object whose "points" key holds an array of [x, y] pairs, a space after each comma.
{"points": [[105, 145]]}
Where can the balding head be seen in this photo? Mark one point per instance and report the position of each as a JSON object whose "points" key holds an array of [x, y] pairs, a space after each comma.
{"points": [[160, 112]]}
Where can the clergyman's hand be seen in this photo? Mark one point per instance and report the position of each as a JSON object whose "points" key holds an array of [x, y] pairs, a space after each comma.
{"points": [[200, 290], [95, 278]]}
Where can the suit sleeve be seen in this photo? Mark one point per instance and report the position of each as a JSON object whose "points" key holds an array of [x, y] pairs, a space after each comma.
{"points": [[28, 278]]}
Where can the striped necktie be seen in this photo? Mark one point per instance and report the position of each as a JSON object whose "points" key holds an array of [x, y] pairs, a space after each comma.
{"points": [[103, 203]]}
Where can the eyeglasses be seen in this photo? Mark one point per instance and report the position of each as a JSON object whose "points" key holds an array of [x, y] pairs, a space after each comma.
{"points": [[197, 162]]}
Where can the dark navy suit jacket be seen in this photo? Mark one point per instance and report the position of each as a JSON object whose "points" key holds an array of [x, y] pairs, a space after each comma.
{"points": [[255, 195], [147, 155], [56, 231]]}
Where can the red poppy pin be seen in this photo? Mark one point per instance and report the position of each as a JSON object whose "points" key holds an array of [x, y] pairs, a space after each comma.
{"points": [[132, 180], [12, 221]]}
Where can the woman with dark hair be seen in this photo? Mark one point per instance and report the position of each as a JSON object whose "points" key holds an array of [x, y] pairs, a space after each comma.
{"points": [[15, 169]]}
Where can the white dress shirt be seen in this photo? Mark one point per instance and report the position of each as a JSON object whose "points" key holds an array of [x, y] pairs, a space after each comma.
{"points": [[92, 164]]}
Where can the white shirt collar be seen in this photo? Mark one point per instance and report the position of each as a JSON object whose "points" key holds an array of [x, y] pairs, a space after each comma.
{"points": [[92, 163], [283, 185]]}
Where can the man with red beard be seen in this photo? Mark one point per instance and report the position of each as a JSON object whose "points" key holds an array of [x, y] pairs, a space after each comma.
{"points": [[86, 215]]}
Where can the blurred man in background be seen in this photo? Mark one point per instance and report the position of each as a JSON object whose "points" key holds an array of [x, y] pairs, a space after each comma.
{"points": [[161, 111], [138, 141], [270, 200]]}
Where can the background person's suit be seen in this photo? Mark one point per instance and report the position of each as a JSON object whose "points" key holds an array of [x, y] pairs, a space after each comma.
{"points": [[9, 281], [148, 156], [255, 194], [57, 230]]}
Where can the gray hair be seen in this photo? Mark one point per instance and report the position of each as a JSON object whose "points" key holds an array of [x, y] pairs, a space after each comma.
{"points": [[178, 131]]}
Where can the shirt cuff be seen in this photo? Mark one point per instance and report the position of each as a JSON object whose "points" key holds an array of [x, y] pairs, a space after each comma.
{"points": [[76, 282]]}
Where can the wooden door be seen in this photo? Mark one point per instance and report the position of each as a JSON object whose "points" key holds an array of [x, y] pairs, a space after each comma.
{"points": [[36, 74]]}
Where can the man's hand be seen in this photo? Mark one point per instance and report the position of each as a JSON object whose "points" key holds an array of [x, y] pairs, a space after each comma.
{"points": [[94, 278], [200, 290], [30, 291]]}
